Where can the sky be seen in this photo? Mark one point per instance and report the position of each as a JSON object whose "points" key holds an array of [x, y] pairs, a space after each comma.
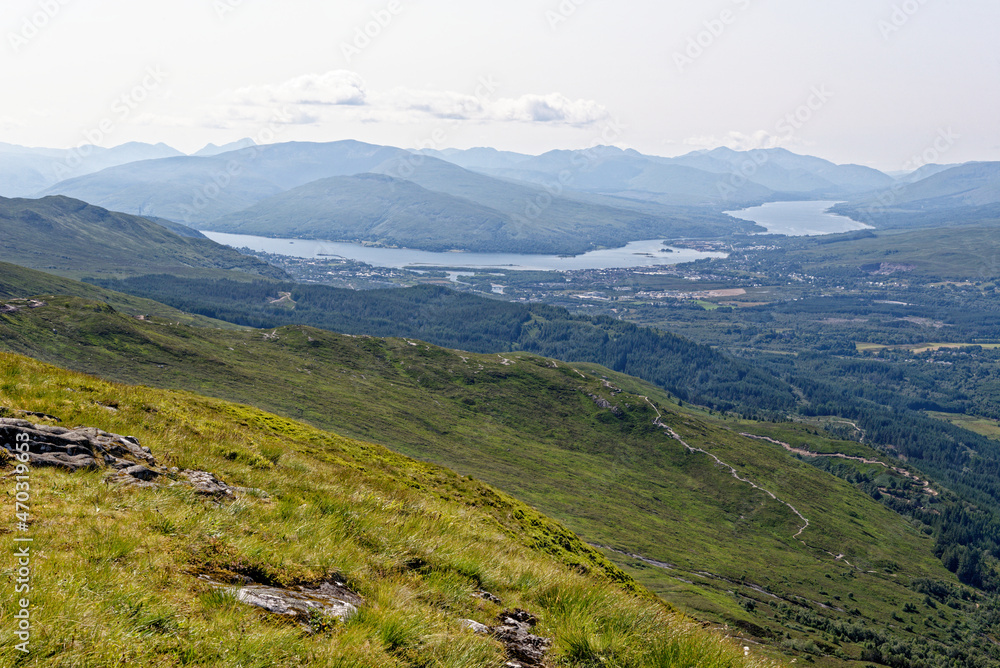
{"points": [[891, 84]]}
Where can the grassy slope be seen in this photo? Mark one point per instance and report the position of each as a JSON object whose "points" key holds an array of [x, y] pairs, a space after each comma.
{"points": [[957, 253], [20, 282], [74, 238], [528, 426], [115, 570]]}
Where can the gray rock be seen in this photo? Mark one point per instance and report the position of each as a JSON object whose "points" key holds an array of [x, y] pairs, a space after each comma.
{"points": [[514, 632], [300, 604], [207, 484], [475, 627], [83, 448], [331, 599], [65, 461], [140, 472]]}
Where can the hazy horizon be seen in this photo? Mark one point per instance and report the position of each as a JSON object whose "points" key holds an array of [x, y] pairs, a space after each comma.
{"points": [[872, 83]]}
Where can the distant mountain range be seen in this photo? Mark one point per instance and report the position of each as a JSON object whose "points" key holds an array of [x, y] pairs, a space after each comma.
{"points": [[25, 172], [691, 179], [481, 199], [960, 195]]}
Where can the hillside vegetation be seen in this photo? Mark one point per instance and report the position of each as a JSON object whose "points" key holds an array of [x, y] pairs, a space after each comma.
{"points": [[70, 237], [19, 283], [585, 446], [470, 322], [116, 569]]}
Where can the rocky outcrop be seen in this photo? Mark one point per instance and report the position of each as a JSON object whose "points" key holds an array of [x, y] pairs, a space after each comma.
{"points": [[523, 647], [16, 305], [604, 403], [127, 461], [74, 449]]}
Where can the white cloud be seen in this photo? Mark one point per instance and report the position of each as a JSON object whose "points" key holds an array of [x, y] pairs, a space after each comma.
{"points": [[551, 108], [338, 87], [439, 104], [343, 95]]}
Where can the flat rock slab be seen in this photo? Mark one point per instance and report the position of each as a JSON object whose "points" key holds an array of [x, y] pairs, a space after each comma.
{"points": [[300, 602], [127, 461], [332, 599]]}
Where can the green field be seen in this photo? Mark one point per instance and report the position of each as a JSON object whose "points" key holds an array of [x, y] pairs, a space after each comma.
{"points": [[980, 425], [917, 348]]}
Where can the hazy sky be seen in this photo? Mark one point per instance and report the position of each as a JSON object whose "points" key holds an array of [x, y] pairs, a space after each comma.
{"points": [[877, 82]]}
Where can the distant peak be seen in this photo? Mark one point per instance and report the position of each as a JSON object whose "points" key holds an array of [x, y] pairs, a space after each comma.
{"points": [[213, 149]]}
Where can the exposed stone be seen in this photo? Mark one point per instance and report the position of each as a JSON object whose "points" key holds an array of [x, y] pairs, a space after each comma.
{"points": [[206, 484], [141, 472], [294, 604], [475, 627], [62, 460], [130, 463], [604, 403], [331, 599], [523, 648]]}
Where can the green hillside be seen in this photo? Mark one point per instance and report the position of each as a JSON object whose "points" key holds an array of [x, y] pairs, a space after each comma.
{"points": [[73, 238], [145, 576], [553, 219], [19, 283], [373, 208], [422, 202], [471, 322], [961, 195], [196, 189], [966, 252], [584, 445]]}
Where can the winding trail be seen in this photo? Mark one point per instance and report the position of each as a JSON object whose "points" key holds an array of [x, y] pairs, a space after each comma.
{"points": [[837, 455], [673, 434]]}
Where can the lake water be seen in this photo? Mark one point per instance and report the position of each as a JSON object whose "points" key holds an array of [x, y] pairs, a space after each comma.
{"points": [[635, 254], [799, 219]]}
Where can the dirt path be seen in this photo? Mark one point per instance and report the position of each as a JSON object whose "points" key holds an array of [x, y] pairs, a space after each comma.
{"points": [[837, 455], [673, 434]]}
